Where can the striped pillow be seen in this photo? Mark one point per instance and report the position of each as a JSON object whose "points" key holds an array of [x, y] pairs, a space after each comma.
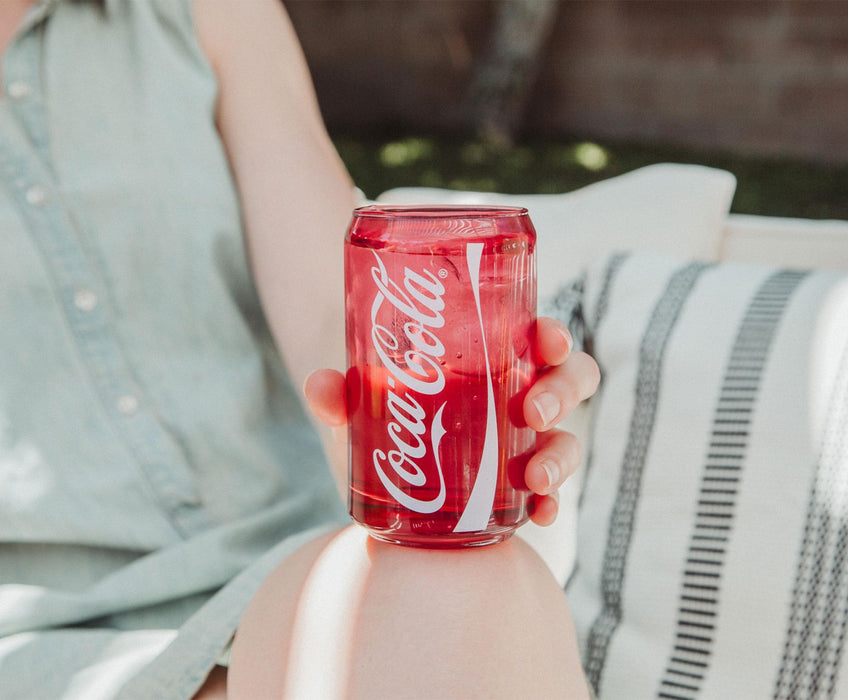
{"points": [[712, 553]]}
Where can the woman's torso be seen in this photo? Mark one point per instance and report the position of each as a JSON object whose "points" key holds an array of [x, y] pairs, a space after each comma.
{"points": [[141, 399]]}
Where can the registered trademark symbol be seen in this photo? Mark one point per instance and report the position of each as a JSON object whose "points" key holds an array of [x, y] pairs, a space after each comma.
{"points": [[443, 273]]}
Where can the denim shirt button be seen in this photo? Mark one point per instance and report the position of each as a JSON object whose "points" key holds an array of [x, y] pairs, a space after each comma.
{"points": [[127, 404], [85, 299], [18, 90], [36, 195]]}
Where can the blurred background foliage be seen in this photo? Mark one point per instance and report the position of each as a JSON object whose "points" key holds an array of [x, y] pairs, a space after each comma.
{"points": [[766, 185], [540, 96]]}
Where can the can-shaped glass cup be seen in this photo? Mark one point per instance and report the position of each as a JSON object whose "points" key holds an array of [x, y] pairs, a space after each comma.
{"points": [[441, 315]]}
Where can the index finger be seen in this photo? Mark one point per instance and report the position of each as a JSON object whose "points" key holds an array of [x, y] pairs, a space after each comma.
{"points": [[553, 341], [559, 389]]}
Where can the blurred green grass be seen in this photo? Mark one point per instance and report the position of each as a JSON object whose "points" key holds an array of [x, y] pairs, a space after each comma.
{"points": [[765, 186]]}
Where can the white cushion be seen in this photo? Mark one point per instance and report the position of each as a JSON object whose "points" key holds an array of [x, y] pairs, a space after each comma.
{"points": [[713, 529], [786, 241], [650, 208]]}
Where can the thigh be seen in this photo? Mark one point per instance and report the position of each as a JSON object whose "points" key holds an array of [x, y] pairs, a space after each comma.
{"points": [[349, 617]]}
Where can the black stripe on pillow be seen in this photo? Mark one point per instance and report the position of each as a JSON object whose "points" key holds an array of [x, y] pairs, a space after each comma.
{"points": [[601, 305], [651, 352], [567, 306], [715, 509], [611, 268], [815, 636]]}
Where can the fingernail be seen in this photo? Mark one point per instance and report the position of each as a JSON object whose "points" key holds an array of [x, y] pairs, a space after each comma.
{"points": [[566, 334], [551, 472], [306, 382], [548, 406]]}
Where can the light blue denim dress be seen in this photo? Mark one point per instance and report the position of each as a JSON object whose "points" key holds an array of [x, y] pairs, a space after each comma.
{"points": [[155, 463]]}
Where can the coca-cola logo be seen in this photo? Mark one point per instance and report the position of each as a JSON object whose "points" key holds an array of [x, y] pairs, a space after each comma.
{"points": [[413, 365]]}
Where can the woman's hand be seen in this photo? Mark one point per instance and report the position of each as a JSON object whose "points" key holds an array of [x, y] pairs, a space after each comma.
{"points": [[566, 378]]}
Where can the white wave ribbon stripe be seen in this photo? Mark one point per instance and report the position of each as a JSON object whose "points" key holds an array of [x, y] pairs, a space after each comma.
{"points": [[480, 503]]}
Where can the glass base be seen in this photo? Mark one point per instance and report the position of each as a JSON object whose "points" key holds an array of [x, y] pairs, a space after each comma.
{"points": [[454, 540]]}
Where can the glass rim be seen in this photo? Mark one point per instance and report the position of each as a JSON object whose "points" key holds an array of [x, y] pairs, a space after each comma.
{"points": [[439, 211]]}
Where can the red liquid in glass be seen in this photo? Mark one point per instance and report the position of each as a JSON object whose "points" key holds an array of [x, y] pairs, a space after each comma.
{"points": [[441, 308]]}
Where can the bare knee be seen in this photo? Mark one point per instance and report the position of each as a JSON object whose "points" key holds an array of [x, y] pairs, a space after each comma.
{"points": [[487, 623], [364, 619]]}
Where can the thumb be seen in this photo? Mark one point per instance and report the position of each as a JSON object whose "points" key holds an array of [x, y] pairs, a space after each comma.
{"points": [[325, 393]]}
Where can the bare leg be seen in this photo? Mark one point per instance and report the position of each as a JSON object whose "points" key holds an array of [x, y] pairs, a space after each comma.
{"points": [[349, 617]]}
